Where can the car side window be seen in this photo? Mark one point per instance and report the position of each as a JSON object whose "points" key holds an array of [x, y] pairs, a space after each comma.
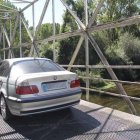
{"points": [[4, 68]]}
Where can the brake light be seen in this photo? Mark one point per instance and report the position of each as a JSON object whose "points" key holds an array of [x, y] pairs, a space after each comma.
{"points": [[75, 83], [23, 90]]}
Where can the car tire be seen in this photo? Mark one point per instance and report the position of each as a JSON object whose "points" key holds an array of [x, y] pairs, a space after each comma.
{"points": [[5, 113]]}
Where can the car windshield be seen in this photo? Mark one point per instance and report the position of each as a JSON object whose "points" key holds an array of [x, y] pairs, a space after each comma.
{"points": [[33, 66]]}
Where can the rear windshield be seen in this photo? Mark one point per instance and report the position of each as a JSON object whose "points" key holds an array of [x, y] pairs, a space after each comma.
{"points": [[33, 66]]}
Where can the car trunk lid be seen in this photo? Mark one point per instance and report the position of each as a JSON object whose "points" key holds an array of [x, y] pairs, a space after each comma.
{"points": [[47, 82]]}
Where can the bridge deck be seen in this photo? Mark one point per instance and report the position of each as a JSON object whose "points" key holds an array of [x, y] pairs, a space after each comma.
{"points": [[86, 121]]}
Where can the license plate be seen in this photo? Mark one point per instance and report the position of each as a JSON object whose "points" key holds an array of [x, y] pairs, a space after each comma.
{"points": [[44, 87], [48, 86]]}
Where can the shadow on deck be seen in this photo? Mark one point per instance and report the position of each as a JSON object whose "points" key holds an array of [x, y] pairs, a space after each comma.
{"points": [[85, 121]]}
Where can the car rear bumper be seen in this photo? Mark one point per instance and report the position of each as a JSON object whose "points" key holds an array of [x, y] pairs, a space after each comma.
{"points": [[22, 107], [48, 109]]}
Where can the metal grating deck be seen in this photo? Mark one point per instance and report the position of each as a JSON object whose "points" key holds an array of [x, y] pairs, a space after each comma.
{"points": [[86, 121]]}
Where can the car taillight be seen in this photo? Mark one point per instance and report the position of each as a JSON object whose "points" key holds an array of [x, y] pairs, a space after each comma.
{"points": [[75, 83], [23, 90]]}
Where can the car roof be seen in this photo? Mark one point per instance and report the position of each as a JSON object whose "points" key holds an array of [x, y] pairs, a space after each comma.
{"points": [[13, 60]]}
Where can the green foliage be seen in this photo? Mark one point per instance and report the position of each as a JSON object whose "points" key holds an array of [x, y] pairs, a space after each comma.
{"points": [[67, 46], [4, 5], [125, 51], [94, 82], [119, 9], [6, 23], [112, 42], [26, 51], [121, 45], [116, 9], [47, 30], [46, 51], [66, 49], [78, 7], [130, 46]]}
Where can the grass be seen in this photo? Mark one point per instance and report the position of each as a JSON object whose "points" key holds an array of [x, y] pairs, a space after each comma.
{"points": [[108, 86], [111, 101], [116, 102], [131, 90]]}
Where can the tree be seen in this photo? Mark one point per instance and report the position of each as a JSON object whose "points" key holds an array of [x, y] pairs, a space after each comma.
{"points": [[6, 23], [119, 9], [125, 52], [67, 46], [47, 30], [107, 40]]}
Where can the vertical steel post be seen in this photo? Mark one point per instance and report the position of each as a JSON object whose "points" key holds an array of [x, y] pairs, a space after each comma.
{"points": [[3, 46], [20, 36], [33, 18], [112, 74], [103, 59], [10, 51], [10, 30], [54, 30], [86, 50]]}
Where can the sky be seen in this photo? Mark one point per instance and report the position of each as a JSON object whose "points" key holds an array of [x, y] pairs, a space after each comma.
{"points": [[59, 10]]}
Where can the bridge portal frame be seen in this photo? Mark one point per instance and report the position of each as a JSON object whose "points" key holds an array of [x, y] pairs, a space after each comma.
{"points": [[85, 33]]}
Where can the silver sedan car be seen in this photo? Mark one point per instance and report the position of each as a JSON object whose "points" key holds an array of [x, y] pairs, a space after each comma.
{"points": [[35, 85]]}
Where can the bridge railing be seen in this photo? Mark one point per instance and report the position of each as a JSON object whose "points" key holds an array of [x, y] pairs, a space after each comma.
{"points": [[107, 80]]}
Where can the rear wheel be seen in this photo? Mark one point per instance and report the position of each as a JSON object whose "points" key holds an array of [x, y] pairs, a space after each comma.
{"points": [[5, 113]]}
